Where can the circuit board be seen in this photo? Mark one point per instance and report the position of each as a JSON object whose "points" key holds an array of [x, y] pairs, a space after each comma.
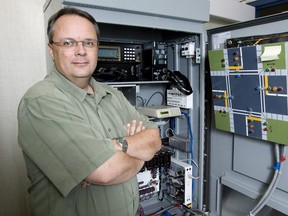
{"points": [[249, 90]]}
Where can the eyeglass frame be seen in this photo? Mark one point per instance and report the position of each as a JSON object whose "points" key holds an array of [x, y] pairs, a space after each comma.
{"points": [[75, 43]]}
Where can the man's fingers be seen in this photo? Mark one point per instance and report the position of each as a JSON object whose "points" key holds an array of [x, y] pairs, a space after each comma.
{"points": [[85, 184], [139, 127], [128, 126], [134, 127]]}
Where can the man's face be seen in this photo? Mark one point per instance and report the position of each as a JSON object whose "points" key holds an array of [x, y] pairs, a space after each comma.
{"points": [[80, 63]]}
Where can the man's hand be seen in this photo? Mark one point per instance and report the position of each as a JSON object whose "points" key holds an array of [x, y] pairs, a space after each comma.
{"points": [[143, 142], [85, 184], [134, 127]]}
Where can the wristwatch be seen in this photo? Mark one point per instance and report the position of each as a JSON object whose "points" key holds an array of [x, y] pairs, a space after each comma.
{"points": [[123, 143]]}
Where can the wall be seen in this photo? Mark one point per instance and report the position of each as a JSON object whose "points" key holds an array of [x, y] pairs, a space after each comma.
{"points": [[226, 12], [22, 58], [231, 10]]}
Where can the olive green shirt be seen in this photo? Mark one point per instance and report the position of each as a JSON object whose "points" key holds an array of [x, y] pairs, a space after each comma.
{"points": [[65, 134]]}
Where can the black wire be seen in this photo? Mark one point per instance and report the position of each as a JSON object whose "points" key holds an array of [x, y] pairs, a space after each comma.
{"points": [[163, 98], [142, 100]]}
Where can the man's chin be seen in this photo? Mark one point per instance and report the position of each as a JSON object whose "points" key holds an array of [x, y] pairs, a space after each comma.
{"points": [[82, 73]]}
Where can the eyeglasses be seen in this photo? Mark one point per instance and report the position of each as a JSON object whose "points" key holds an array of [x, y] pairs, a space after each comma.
{"points": [[70, 44]]}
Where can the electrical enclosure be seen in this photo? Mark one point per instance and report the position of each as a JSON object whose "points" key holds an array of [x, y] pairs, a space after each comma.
{"points": [[139, 43]]}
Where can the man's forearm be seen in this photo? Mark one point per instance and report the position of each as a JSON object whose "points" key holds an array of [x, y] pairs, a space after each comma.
{"points": [[144, 144], [118, 169]]}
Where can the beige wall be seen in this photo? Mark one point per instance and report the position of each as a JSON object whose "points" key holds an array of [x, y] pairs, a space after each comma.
{"points": [[22, 59], [233, 10]]}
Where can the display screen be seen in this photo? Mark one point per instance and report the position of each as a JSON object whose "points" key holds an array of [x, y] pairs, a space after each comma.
{"points": [[164, 112], [109, 53], [161, 62]]}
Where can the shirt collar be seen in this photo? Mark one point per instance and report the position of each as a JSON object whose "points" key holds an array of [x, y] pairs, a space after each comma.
{"points": [[100, 89]]}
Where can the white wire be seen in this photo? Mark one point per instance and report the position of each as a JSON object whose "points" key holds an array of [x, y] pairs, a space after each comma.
{"points": [[192, 162], [273, 185], [196, 165]]}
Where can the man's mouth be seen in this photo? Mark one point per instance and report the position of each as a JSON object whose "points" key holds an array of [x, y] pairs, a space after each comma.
{"points": [[80, 63]]}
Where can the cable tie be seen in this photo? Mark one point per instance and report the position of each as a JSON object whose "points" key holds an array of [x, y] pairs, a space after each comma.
{"points": [[277, 166]]}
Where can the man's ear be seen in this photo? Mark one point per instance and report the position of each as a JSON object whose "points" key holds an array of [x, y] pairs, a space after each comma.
{"points": [[50, 51]]}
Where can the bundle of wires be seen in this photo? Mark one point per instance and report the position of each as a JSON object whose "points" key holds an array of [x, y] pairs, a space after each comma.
{"points": [[273, 185]]}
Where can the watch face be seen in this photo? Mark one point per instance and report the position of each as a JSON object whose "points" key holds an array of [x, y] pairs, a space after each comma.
{"points": [[123, 144]]}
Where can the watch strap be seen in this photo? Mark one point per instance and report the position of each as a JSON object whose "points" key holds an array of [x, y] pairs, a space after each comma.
{"points": [[123, 143]]}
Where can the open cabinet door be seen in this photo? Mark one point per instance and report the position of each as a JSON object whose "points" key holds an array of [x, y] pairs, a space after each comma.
{"points": [[247, 92]]}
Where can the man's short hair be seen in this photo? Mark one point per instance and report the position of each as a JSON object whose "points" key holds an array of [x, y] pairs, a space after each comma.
{"points": [[69, 11]]}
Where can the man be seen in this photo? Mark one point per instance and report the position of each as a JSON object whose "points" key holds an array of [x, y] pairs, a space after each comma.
{"points": [[83, 142]]}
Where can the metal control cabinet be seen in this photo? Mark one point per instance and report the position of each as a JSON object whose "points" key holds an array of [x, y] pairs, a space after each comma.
{"points": [[178, 25]]}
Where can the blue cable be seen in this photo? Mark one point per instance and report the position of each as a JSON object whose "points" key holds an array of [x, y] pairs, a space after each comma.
{"points": [[191, 134], [173, 124]]}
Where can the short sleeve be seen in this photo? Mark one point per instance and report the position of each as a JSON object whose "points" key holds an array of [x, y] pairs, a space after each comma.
{"points": [[57, 139]]}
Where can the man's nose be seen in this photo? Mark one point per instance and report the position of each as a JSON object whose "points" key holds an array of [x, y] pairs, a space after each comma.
{"points": [[80, 47]]}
